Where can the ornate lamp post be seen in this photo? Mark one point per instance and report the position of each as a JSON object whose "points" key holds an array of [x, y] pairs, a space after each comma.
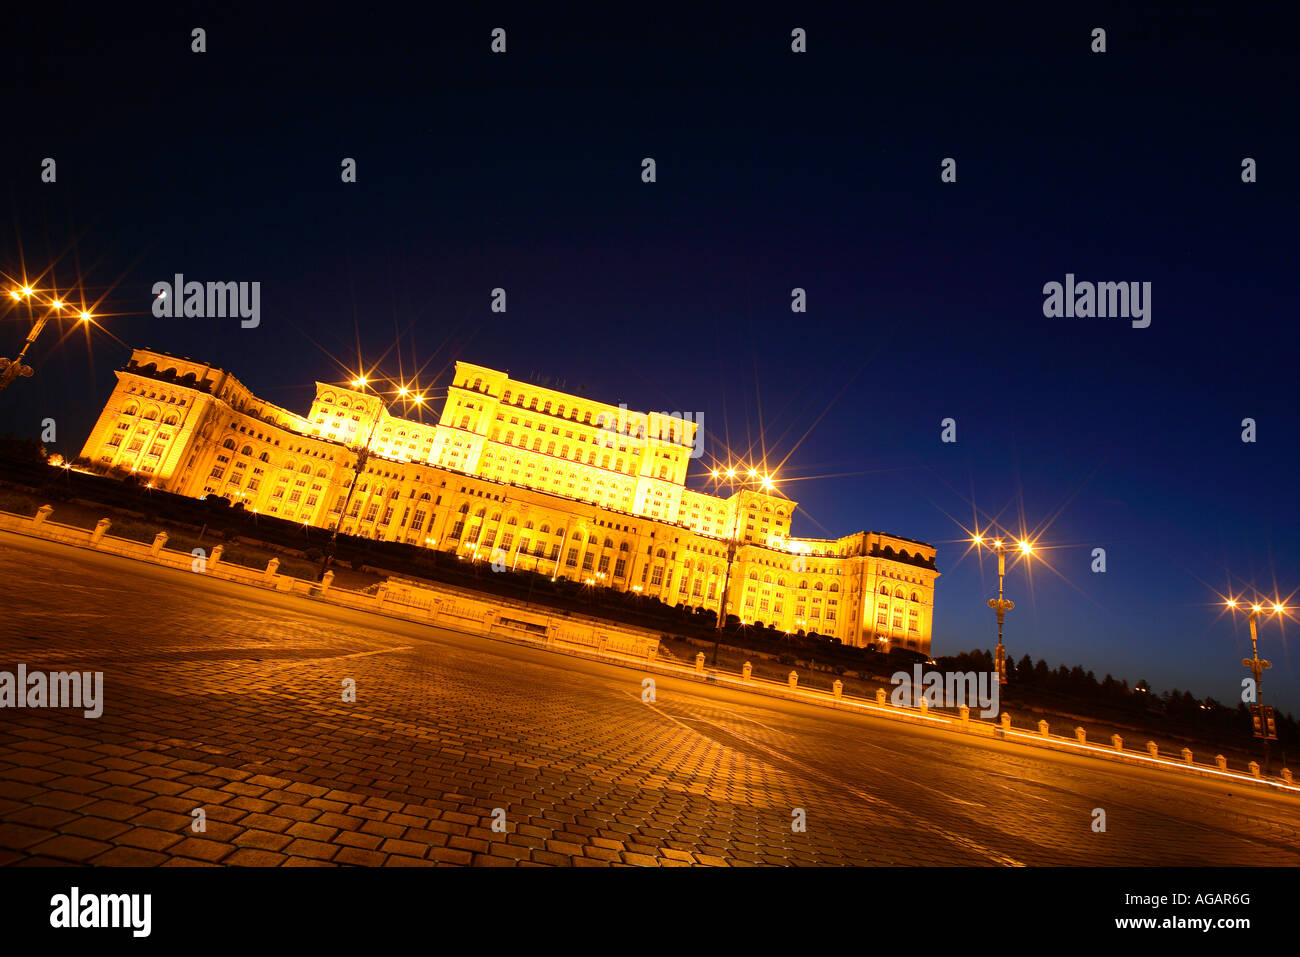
{"points": [[744, 477], [11, 369], [1001, 605], [1257, 666]]}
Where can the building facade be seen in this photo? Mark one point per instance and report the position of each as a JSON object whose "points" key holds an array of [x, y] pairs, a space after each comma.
{"points": [[521, 476]]}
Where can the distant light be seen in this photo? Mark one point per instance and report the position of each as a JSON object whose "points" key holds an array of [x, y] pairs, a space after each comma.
{"points": [[402, 391], [418, 399], [57, 304], [85, 317], [27, 290], [1256, 607], [1279, 608], [1025, 547], [978, 539], [731, 473], [997, 543], [16, 294], [1231, 603]]}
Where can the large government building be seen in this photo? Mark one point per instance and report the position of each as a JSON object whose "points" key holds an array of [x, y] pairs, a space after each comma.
{"points": [[521, 476]]}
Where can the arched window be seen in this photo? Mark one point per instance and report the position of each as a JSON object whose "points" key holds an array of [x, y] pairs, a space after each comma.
{"points": [[228, 444]]}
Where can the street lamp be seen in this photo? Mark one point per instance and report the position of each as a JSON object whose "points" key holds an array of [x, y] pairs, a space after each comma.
{"points": [[743, 476], [1257, 666], [1001, 605], [11, 369], [362, 453]]}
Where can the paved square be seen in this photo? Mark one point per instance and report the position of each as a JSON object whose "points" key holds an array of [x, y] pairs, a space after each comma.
{"points": [[230, 700]]}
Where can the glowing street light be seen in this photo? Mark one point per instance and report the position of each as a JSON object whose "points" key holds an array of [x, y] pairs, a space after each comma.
{"points": [[750, 476], [1001, 605], [1265, 727], [11, 369]]}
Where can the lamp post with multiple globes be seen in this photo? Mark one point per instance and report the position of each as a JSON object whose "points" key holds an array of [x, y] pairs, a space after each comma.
{"points": [[1257, 666], [733, 476], [1001, 605], [11, 369], [361, 454]]}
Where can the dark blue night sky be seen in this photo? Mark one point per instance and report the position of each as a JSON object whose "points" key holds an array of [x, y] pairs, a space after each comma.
{"points": [[775, 171]]}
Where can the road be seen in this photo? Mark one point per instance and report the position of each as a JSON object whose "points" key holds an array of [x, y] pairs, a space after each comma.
{"points": [[230, 699]]}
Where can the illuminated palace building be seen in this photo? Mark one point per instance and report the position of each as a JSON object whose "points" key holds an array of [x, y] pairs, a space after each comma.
{"points": [[519, 475]]}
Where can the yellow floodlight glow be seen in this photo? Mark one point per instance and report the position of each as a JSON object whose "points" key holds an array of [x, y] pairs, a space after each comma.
{"points": [[16, 294], [1279, 608], [57, 304], [1231, 603], [1256, 607], [86, 317], [1025, 547]]}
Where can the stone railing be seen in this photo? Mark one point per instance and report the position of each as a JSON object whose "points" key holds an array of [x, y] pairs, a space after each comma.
{"points": [[416, 601]]}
